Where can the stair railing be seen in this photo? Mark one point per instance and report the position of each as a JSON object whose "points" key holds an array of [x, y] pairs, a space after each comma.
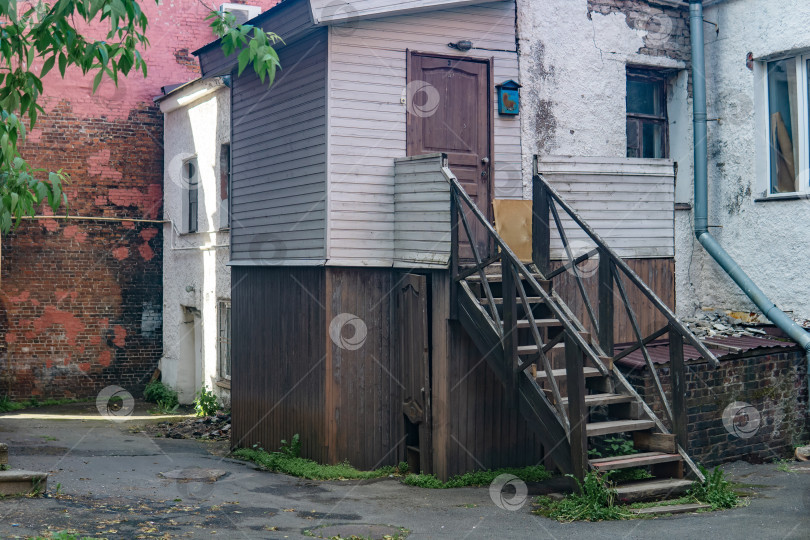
{"points": [[613, 270], [513, 273]]}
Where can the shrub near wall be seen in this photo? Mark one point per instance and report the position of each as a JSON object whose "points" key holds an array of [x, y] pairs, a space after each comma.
{"points": [[775, 387]]}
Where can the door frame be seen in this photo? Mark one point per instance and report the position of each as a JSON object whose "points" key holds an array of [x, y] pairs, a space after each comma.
{"points": [[489, 61]]}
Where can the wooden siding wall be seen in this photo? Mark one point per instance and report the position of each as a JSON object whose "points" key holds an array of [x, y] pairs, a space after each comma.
{"points": [[421, 213], [364, 394], [367, 79], [658, 274], [630, 203], [279, 160], [324, 11], [476, 422], [278, 357]]}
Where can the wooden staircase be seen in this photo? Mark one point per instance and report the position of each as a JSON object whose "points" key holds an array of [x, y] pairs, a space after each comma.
{"points": [[564, 378]]}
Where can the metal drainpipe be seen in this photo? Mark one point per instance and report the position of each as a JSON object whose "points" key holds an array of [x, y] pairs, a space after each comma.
{"points": [[709, 243]]}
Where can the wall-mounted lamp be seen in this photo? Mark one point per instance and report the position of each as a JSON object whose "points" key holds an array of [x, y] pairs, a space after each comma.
{"points": [[189, 288], [463, 45]]}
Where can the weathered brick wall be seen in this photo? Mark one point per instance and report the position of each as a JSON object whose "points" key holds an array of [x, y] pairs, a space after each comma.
{"points": [[667, 26], [775, 387], [81, 300]]}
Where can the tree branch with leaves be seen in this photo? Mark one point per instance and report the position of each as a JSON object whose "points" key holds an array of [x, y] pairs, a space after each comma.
{"points": [[50, 32]]}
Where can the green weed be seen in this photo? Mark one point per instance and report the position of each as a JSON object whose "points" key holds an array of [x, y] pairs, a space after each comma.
{"points": [[287, 460], [595, 501], [716, 490], [159, 393], [536, 473], [206, 402]]}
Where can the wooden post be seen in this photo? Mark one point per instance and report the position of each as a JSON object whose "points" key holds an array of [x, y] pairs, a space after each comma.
{"points": [[510, 341], [606, 311], [677, 371], [577, 412], [541, 234], [454, 223]]}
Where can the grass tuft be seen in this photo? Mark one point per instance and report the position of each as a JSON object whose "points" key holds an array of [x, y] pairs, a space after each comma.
{"points": [[536, 473], [289, 461]]}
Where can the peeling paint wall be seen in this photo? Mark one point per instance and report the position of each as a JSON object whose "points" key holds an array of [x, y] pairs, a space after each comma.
{"points": [[573, 58], [195, 271], [81, 300], [766, 239]]}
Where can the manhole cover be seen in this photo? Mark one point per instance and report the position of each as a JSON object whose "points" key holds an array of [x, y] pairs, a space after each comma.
{"points": [[194, 474], [359, 530]]}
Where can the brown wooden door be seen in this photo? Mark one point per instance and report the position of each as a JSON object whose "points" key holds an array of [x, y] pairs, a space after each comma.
{"points": [[448, 110], [412, 322]]}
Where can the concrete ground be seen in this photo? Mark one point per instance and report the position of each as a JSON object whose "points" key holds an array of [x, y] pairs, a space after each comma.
{"points": [[106, 482]]}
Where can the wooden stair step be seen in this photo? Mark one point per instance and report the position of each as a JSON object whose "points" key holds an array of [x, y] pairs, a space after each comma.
{"points": [[560, 373], [617, 426], [498, 278], [499, 301], [670, 509], [633, 460], [594, 400], [540, 323], [533, 349], [646, 490]]}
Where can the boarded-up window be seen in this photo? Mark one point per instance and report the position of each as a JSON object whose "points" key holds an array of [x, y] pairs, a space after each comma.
{"points": [[647, 126]]}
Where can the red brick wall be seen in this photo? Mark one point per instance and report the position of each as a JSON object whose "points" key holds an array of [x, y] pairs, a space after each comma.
{"points": [[81, 300], [775, 387]]}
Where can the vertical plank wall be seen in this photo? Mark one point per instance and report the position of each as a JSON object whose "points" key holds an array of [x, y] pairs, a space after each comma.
{"points": [[476, 423], [278, 357], [367, 80], [364, 418]]}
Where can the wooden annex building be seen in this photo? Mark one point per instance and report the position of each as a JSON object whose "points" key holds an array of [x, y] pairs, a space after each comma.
{"points": [[367, 315]]}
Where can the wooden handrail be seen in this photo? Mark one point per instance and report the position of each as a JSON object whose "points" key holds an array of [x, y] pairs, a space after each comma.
{"points": [[460, 194], [625, 269]]}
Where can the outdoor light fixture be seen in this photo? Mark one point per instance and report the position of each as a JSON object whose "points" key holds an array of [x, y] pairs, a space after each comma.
{"points": [[463, 45], [189, 288]]}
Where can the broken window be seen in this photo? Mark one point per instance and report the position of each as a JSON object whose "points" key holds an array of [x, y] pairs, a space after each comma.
{"points": [[647, 127], [224, 339], [190, 177]]}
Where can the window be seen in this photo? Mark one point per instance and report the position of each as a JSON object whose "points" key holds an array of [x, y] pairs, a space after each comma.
{"points": [[224, 184], [647, 128], [191, 196], [224, 338], [787, 101]]}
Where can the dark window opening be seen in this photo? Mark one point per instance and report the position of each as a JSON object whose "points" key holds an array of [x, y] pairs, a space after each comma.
{"points": [[224, 184], [192, 200], [647, 125]]}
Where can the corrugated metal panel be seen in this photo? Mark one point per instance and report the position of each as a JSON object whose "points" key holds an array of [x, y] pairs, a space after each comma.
{"points": [[289, 20], [421, 213], [630, 203], [720, 346], [367, 121], [279, 159]]}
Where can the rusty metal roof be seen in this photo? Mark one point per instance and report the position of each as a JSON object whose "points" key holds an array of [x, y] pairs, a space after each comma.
{"points": [[721, 346]]}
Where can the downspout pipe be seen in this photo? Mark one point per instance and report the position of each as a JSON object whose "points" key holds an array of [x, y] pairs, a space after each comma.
{"points": [[701, 203]]}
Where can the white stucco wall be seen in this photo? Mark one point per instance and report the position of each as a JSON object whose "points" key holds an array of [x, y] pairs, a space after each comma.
{"points": [[195, 271], [766, 239], [573, 74]]}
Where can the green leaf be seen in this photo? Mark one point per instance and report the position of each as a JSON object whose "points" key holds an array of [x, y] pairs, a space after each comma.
{"points": [[63, 60], [47, 66], [97, 80], [244, 58]]}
